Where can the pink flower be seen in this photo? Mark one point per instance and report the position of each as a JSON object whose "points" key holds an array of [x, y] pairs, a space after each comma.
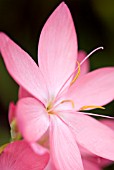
{"points": [[57, 95], [22, 93], [44, 141], [20, 156]]}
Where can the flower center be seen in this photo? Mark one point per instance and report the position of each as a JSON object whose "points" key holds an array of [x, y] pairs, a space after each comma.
{"points": [[51, 108]]}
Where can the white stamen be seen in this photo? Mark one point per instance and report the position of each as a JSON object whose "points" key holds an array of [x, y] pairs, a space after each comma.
{"points": [[93, 114], [90, 114], [99, 48]]}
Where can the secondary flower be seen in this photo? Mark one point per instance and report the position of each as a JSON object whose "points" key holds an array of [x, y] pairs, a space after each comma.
{"points": [[20, 156], [58, 95]]}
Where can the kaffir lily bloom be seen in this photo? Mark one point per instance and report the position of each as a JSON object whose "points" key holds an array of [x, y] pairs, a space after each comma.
{"points": [[44, 141], [57, 96], [20, 156], [22, 93]]}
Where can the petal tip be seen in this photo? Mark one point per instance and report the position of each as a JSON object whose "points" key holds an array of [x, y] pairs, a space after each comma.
{"points": [[63, 6]]}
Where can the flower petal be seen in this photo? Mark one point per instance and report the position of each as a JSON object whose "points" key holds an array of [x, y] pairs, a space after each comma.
{"points": [[19, 156], [90, 159], [108, 122], [50, 166], [32, 118], [88, 165], [94, 88], [101, 162], [23, 93], [57, 49], [91, 134], [11, 113], [22, 68], [63, 148], [85, 66], [38, 149]]}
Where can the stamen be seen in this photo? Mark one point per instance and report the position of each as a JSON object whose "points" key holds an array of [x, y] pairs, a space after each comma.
{"points": [[98, 115], [77, 75], [91, 107], [69, 101], [77, 68], [99, 48]]}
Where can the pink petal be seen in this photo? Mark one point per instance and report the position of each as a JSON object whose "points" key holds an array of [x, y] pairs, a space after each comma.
{"points": [[90, 159], [84, 152], [57, 51], [101, 162], [38, 149], [44, 140], [88, 165], [19, 156], [85, 66], [22, 68], [91, 134], [63, 148], [93, 159], [50, 166], [94, 88], [32, 118], [108, 122], [23, 93], [11, 114]]}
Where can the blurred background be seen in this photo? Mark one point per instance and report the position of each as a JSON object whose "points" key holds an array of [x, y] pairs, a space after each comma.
{"points": [[23, 20]]}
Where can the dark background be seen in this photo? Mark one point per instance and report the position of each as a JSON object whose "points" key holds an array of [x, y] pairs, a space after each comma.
{"points": [[23, 20]]}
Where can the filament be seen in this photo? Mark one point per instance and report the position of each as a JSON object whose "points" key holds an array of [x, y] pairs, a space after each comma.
{"points": [[99, 48]]}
